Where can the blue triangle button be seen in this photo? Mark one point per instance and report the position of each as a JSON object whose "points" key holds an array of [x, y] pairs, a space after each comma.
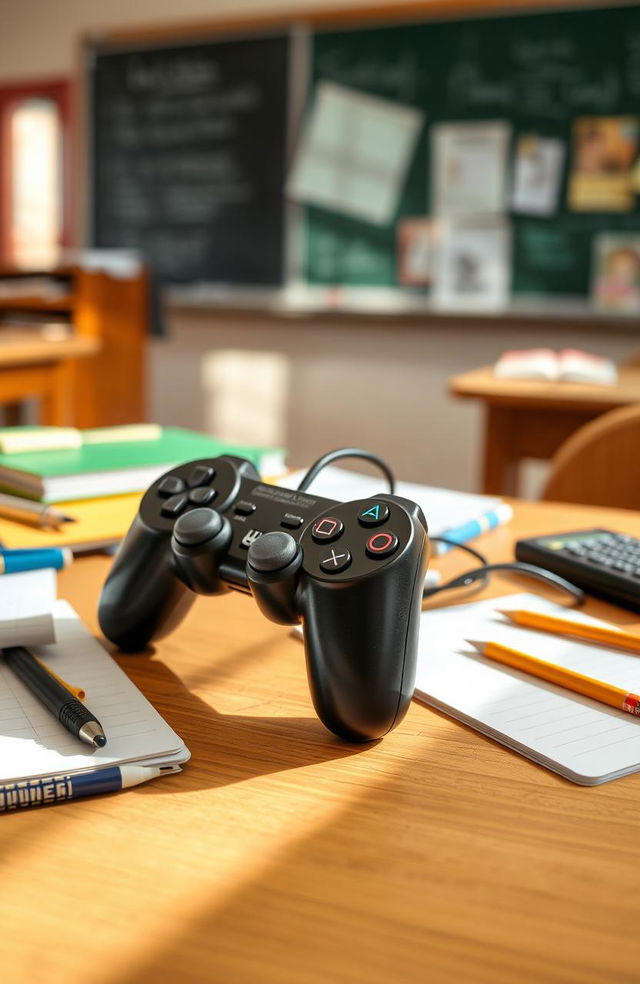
{"points": [[373, 514]]}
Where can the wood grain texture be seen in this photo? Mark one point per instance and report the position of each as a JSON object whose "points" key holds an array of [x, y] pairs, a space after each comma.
{"points": [[283, 855]]}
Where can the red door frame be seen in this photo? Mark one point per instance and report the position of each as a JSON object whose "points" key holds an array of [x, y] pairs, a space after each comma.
{"points": [[58, 90]]}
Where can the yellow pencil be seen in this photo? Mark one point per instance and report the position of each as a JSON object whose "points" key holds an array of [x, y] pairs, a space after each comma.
{"points": [[587, 686], [616, 638]]}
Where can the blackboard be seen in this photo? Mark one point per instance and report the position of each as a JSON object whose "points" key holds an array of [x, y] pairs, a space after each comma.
{"points": [[537, 71], [188, 157]]}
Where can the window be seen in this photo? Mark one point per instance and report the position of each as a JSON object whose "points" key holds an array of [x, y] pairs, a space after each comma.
{"points": [[34, 173]]}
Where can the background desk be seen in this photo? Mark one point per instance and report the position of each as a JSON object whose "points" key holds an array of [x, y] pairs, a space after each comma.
{"points": [[531, 419], [282, 855], [36, 367]]}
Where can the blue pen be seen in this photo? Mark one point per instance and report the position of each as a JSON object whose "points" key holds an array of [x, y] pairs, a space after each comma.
{"points": [[59, 789], [16, 561], [467, 531]]}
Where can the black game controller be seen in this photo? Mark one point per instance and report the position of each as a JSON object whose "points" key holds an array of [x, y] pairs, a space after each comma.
{"points": [[351, 572]]}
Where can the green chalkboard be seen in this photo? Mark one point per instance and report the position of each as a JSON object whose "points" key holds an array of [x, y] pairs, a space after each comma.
{"points": [[537, 71]]}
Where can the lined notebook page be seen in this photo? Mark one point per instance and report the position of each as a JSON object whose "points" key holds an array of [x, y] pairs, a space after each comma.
{"points": [[583, 740], [33, 743], [26, 600]]}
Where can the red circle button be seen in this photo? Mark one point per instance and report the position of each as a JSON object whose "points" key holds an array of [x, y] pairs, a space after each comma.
{"points": [[382, 544]]}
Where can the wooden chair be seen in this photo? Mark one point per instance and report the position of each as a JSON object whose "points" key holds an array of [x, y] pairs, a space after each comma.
{"points": [[599, 465]]}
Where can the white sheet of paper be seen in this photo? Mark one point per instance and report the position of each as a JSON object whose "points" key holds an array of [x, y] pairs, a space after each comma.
{"points": [[580, 738], [26, 601], [537, 175], [354, 153], [468, 167], [33, 743], [444, 509], [474, 264]]}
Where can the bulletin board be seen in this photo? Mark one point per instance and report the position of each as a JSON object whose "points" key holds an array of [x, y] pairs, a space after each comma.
{"points": [[539, 72]]}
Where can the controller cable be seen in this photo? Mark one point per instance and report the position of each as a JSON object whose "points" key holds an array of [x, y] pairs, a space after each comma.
{"points": [[477, 578]]}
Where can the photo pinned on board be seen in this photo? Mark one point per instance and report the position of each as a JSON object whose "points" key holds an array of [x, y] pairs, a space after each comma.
{"points": [[615, 285]]}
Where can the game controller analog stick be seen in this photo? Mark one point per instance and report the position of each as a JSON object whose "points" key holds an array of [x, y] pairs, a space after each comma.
{"points": [[352, 573]]}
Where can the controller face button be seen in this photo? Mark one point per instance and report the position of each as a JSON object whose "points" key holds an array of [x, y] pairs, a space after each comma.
{"points": [[291, 522], [202, 496], [174, 506], [327, 529], [197, 526], [373, 514], [200, 475], [170, 486], [335, 562], [272, 552], [245, 508], [382, 544]]}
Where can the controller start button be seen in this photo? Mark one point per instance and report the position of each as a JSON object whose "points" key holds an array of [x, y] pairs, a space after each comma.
{"points": [[382, 544], [327, 529]]}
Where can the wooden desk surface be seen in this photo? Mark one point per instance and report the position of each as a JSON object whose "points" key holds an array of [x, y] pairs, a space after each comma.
{"points": [[23, 348], [282, 855], [482, 384]]}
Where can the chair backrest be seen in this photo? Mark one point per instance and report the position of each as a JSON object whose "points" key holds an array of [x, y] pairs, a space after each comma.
{"points": [[599, 465]]}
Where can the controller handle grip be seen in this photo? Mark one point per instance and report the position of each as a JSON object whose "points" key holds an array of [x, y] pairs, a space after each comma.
{"points": [[273, 565], [361, 645], [142, 597]]}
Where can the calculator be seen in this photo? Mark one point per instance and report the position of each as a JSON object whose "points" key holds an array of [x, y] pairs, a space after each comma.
{"points": [[601, 562]]}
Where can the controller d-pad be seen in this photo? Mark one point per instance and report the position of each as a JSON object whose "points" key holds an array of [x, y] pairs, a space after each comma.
{"points": [[336, 561], [174, 506], [202, 496], [200, 475], [170, 485], [382, 544], [373, 514], [327, 529]]}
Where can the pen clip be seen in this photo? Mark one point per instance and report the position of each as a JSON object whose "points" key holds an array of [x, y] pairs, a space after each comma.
{"points": [[76, 692]]}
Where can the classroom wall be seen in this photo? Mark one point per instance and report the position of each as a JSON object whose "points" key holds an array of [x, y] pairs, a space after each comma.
{"points": [[313, 384]]}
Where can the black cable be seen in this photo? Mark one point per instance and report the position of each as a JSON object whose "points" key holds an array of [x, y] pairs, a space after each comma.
{"points": [[481, 573], [330, 456]]}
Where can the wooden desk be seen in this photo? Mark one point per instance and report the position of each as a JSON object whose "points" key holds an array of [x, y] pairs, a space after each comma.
{"points": [[526, 419], [33, 366], [282, 855]]}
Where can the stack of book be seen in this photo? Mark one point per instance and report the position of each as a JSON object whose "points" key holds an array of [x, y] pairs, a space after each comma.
{"points": [[96, 477]]}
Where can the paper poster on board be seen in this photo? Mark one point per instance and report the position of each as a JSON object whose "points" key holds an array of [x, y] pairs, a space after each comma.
{"points": [[354, 153], [474, 264], [615, 283], [605, 151], [537, 175], [469, 167]]}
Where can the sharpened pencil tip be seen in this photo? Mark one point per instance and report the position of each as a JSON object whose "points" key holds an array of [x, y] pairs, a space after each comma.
{"points": [[504, 611], [476, 645]]}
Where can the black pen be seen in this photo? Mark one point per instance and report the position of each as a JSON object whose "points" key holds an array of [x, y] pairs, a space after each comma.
{"points": [[71, 714]]}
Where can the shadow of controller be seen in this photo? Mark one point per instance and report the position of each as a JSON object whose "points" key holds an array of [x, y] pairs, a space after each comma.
{"points": [[351, 573]]}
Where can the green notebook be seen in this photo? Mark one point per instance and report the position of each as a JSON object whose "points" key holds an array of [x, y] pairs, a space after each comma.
{"points": [[96, 470]]}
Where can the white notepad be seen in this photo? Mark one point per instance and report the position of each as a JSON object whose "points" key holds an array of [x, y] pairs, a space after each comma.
{"points": [[34, 744], [25, 608], [579, 738]]}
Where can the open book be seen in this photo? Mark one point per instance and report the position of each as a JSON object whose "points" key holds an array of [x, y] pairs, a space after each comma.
{"points": [[569, 365]]}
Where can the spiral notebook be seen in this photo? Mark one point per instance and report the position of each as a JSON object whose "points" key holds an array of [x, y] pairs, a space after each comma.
{"points": [[34, 744], [579, 738]]}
